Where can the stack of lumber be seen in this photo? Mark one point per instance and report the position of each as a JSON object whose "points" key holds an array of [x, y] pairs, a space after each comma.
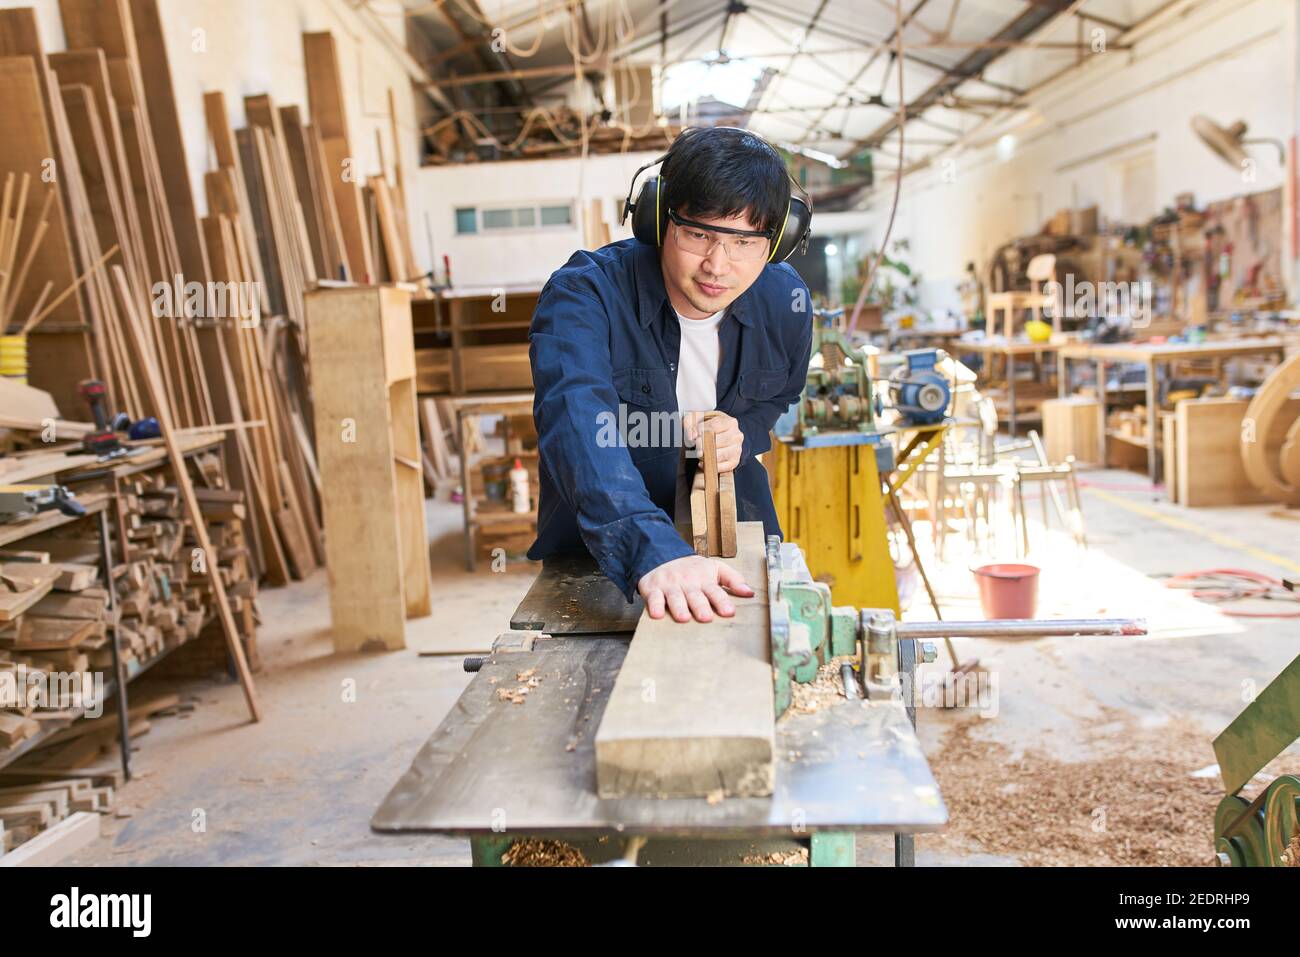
{"points": [[257, 229], [73, 773], [122, 262], [119, 201], [60, 632], [38, 637], [164, 595], [59, 810]]}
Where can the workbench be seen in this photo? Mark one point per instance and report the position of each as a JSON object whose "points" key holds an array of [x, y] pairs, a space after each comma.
{"points": [[1153, 356], [1011, 353], [495, 771]]}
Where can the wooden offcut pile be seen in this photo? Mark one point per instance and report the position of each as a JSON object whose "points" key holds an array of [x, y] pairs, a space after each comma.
{"points": [[49, 807], [74, 771]]}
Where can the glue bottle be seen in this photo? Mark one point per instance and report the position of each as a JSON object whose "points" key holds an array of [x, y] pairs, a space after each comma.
{"points": [[520, 500]]}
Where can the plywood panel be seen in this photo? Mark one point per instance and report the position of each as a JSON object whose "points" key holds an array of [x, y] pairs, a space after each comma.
{"points": [[1208, 447], [374, 527], [1070, 427]]}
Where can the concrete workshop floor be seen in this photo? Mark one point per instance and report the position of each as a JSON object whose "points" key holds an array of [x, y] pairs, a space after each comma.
{"points": [[300, 787]]}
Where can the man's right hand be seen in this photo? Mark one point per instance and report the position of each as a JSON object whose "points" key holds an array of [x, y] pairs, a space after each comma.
{"points": [[692, 586]]}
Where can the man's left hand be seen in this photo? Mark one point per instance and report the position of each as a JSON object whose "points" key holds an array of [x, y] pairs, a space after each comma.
{"points": [[728, 439]]}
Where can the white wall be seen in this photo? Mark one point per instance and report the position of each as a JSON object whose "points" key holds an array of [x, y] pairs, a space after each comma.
{"points": [[244, 47], [1227, 59], [496, 259]]}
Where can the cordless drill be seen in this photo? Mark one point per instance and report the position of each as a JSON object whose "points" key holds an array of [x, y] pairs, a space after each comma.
{"points": [[102, 442]]}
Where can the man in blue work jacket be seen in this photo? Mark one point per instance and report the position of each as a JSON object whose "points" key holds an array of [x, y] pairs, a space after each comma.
{"points": [[697, 313]]}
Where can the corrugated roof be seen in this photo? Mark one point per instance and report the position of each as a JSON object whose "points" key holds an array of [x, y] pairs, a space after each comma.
{"points": [[833, 82]]}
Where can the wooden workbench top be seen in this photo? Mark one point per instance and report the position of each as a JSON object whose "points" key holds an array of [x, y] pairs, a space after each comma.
{"points": [[1155, 351]]}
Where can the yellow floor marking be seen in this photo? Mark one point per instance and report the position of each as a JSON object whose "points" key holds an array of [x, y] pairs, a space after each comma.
{"points": [[1227, 541]]}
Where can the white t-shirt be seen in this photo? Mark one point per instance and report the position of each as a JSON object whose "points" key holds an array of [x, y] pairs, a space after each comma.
{"points": [[697, 385]]}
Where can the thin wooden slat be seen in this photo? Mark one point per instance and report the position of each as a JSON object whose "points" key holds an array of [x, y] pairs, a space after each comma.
{"points": [[304, 177], [192, 511]]}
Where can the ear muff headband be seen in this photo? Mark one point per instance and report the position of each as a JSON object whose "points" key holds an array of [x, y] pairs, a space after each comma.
{"points": [[650, 228], [659, 214], [785, 221]]}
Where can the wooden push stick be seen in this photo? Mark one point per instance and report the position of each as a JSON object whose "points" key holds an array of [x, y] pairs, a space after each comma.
{"points": [[192, 510], [713, 501]]}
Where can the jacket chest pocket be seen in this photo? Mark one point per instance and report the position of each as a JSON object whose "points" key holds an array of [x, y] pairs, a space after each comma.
{"points": [[647, 422], [759, 385], [647, 388]]}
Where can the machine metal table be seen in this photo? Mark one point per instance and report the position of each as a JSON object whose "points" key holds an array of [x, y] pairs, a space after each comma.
{"points": [[495, 771], [498, 770]]}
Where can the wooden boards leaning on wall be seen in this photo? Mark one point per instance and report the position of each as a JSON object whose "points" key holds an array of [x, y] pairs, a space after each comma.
{"points": [[691, 712]]}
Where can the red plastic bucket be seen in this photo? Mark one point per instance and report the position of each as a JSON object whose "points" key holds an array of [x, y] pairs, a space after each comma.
{"points": [[1008, 590]]}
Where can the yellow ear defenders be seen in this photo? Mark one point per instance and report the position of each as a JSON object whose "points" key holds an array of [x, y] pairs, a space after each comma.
{"points": [[650, 211]]}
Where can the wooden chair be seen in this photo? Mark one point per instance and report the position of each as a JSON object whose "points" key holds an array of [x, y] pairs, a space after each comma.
{"points": [[979, 477], [1013, 304]]}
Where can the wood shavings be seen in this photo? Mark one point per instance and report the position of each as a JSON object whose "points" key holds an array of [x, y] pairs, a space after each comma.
{"points": [[528, 680], [1291, 854], [824, 690], [534, 852], [797, 858], [1137, 806]]}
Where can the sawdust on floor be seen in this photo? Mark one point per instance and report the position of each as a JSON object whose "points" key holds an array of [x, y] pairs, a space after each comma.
{"points": [[535, 852], [1136, 806], [795, 858], [1291, 855]]}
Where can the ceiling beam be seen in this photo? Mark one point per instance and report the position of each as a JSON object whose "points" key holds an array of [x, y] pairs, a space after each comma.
{"points": [[970, 67]]}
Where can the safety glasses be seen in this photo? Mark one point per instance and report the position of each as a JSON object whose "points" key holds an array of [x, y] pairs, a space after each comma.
{"points": [[740, 245]]}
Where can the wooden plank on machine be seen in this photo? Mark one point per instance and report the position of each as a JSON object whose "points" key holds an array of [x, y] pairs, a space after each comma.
{"points": [[691, 712]]}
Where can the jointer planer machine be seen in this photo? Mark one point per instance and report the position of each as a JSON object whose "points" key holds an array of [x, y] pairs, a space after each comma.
{"points": [[496, 771]]}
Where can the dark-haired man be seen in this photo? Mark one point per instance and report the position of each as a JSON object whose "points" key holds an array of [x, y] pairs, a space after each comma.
{"points": [[691, 316]]}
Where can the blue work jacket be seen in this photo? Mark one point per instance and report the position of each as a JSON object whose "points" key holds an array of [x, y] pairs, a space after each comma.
{"points": [[604, 346]]}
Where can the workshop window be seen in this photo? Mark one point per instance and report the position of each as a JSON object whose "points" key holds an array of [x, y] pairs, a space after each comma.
{"points": [[470, 220], [498, 219], [557, 215]]}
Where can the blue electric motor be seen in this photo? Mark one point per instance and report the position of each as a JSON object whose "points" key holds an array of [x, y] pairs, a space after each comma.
{"points": [[919, 391]]}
